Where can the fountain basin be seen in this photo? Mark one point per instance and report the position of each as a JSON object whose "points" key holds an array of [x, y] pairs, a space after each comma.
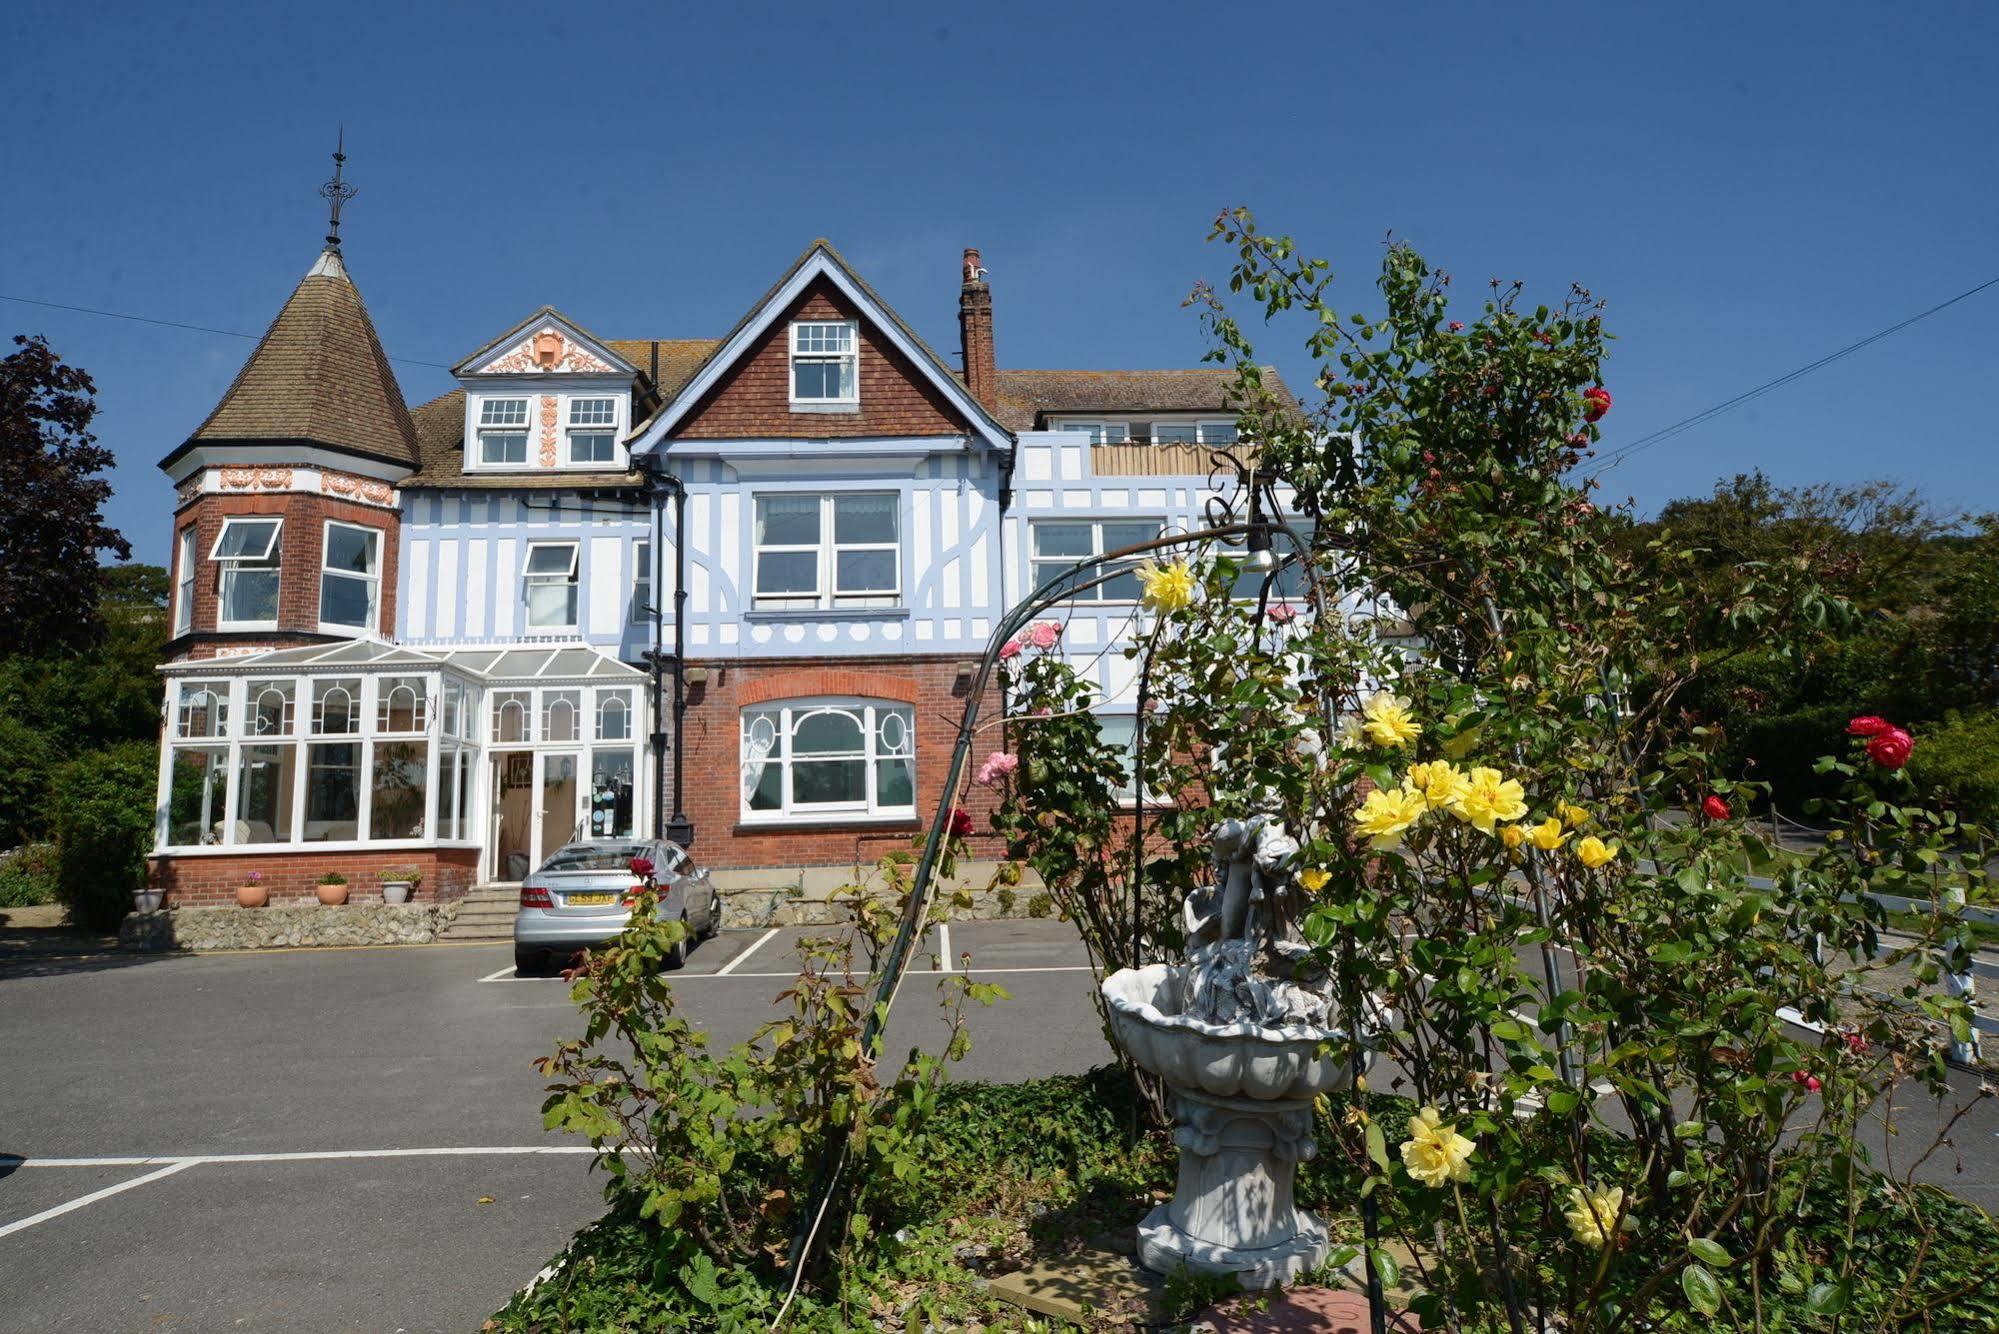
{"points": [[1235, 1060]]}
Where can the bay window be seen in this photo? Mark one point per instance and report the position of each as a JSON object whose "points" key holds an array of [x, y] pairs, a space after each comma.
{"points": [[247, 551], [332, 792], [503, 431], [825, 364], [1057, 544], [852, 758], [350, 576], [550, 577], [397, 789], [264, 776], [184, 583], [828, 550], [196, 785]]}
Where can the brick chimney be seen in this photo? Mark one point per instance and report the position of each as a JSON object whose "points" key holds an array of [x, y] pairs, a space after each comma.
{"points": [[975, 328]]}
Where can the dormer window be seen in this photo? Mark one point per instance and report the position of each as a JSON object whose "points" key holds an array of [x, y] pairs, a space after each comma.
{"points": [[593, 434], [825, 364], [503, 431]]}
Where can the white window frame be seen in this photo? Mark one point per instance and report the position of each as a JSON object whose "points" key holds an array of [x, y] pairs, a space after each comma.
{"points": [[1127, 793], [1101, 432], [572, 429], [271, 558], [1096, 525], [825, 594], [184, 584], [573, 579], [483, 427], [373, 579], [786, 715], [850, 359], [642, 581]]}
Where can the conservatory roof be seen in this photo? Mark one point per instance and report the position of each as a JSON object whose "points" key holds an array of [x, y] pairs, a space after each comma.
{"points": [[520, 662]]}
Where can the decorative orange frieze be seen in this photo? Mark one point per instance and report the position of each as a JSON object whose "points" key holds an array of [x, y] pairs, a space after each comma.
{"points": [[350, 487], [548, 430], [256, 479], [545, 352]]}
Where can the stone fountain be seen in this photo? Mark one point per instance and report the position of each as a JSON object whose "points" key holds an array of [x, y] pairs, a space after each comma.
{"points": [[1242, 1035]]}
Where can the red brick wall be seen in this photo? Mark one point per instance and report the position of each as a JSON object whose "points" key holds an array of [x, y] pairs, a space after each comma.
{"points": [[754, 398], [301, 544], [290, 875], [714, 757]]}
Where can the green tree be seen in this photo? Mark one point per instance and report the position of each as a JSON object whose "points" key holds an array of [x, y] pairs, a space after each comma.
{"points": [[51, 499], [103, 830]]}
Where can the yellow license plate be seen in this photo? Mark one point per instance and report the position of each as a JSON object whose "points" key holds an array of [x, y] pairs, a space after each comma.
{"points": [[588, 900]]}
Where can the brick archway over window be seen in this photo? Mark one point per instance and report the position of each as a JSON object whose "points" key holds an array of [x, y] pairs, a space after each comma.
{"points": [[809, 682]]}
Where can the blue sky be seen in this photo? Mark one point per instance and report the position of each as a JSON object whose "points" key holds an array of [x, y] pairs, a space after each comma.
{"points": [[1749, 186]]}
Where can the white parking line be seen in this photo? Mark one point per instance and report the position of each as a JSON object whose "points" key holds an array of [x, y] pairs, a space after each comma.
{"points": [[498, 973], [943, 948], [736, 962], [94, 1196]]}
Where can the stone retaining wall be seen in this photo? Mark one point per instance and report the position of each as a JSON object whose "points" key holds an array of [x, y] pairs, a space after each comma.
{"points": [[280, 926], [802, 896]]}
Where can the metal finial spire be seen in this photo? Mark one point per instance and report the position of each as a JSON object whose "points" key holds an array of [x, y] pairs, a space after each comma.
{"points": [[337, 191]]}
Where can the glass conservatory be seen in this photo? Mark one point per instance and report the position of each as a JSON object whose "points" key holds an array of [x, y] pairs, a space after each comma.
{"points": [[365, 745]]}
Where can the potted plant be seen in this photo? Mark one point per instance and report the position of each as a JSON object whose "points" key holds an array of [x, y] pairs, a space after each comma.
{"points": [[332, 889], [253, 893], [399, 882], [147, 898]]}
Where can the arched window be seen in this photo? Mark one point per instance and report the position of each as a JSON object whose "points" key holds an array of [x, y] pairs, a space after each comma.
{"points": [[204, 709], [614, 717], [400, 707], [512, 720], [833, 757], [559, 720], [271, 708], [336, 707]]}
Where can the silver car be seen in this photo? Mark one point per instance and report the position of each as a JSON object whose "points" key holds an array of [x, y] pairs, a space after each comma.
{"points": [[577, 899]]}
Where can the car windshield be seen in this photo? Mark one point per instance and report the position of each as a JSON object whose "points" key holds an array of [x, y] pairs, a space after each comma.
{"points": [[605, 857]]}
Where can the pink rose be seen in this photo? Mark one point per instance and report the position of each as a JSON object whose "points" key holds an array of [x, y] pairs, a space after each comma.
{"points": [[1891, 749], [1044, 634], [1457, 326], [997, 766], [1282, 614], [1010, 649]]}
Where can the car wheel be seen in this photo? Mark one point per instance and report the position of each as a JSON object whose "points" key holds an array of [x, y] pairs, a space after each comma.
{"points": [[529, 963], [676, 957]]}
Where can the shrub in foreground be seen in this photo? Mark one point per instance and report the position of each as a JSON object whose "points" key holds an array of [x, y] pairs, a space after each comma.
{"points": [[104, 828]]}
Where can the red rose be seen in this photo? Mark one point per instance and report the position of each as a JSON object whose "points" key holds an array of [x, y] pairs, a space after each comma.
{"points": [[1596, 402], [961, 822], [1891, 749], [641, 866], [1714, 808], [1868, 725]]}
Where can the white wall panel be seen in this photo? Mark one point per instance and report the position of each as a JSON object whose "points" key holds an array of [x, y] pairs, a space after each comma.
{"points": [[605, 576]]}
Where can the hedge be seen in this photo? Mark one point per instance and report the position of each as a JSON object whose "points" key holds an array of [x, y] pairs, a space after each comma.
{"points": [[1958, 761], [104, 806]]}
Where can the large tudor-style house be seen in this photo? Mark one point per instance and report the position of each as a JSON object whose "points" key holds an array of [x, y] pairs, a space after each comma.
{"points": [[436, 637]]}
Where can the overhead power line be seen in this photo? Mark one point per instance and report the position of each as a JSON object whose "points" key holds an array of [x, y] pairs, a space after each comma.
{"points": [[176, 324], [1664, 433]]}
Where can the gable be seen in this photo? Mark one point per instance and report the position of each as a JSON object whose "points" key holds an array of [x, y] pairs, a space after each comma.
{"points": [[752, 397], [546, 343]]}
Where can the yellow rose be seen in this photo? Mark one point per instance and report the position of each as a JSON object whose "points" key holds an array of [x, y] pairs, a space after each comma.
{"points": [[1314, 878], [1575, 817], [1387, 814], [1387, 721], [1593, 1214], [1548, 835], [1490, 798], [1436, 1153], [1166, 587], [1513, 836], [1439, 783], [1594, 852]]}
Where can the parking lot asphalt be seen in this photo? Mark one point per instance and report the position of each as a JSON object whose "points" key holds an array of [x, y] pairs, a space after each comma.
{"points": [[351, 1139]]}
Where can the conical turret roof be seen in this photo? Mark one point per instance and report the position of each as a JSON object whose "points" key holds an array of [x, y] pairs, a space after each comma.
{"points": [[318, 377]]}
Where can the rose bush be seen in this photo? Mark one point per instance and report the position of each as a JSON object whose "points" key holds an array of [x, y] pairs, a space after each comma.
{"points": [[1623, 1026]]}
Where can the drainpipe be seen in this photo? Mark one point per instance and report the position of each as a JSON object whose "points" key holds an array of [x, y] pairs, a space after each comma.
{"points": [[678, 829]]}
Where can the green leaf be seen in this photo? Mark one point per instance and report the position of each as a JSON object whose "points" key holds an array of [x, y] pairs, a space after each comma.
{"points": [[1377, 1145], [1710, 1252], [1386, 1269], [1829, 1298], [1703, 1293]]}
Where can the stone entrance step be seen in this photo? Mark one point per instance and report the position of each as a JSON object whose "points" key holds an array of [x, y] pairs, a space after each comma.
{"points": [[486, 914]]}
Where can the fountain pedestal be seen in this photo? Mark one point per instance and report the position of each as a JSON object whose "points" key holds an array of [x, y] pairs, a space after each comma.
{"points": [[1232, 1210]]}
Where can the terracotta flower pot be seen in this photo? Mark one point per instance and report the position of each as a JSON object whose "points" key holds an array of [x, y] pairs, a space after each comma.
{"points": [[252, 896], [331, 895]]}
